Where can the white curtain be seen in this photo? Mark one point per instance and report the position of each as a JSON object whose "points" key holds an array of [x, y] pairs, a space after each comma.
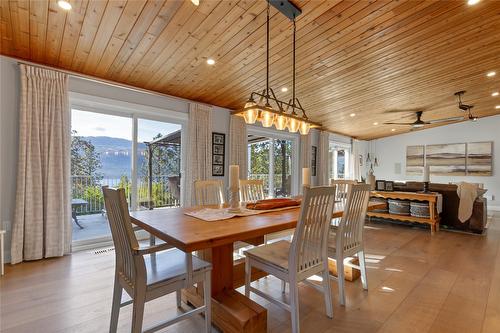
{"points": [[324, 141], [355, 167], [238, 144], [305, 155], [42, 221], [199, 157]]}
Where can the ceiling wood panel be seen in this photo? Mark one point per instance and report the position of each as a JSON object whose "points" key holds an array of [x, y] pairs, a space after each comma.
{"points": [[362, 57]]}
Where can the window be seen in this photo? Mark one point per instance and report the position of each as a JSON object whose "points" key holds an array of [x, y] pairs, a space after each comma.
{"points": [[338, 157], [115, 145], [273, 160]]}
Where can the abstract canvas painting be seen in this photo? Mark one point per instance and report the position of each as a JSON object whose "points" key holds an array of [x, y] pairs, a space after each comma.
{"points": [[479, 158], [446, 159], [414, 160]]}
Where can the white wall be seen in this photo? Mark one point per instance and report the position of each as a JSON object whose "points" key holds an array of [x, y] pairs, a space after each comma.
{"points": [[392, 150]]}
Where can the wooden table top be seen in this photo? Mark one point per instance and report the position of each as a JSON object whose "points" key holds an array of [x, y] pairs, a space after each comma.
{"points": [[191, 234], [430, 196]]}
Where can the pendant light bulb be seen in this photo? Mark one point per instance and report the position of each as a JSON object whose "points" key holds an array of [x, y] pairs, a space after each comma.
{"points": [[293, 125], [280, 122], [267, 118], [304, 128], [250, 115]]}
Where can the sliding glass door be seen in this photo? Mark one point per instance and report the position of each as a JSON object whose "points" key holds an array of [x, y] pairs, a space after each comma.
{"points": [[272, 159], [339, 156], [142, 154]]}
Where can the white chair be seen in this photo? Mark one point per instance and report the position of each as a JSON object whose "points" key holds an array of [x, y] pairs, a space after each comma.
{"points": [[145, 279], [342, 186], [304, 257], [209, 192], [346, 239], [251, 190]]}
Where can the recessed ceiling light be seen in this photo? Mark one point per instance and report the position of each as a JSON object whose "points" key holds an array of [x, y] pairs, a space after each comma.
{"points": [[352, 115], [491, 74], [393, 130], [197, 2], [497, 107], [210, 61], [375, 123], [284, 89], [494, 94], [472, 2], [64, 4]]}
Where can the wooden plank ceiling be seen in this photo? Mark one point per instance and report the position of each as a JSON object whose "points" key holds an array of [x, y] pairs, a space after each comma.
{"points": [[362, 57]]}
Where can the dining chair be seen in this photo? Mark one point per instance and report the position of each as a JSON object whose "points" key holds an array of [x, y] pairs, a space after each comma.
{"points": [[305, 256], [342, 186], [346, 239], [144, 279], [251, 190], [209, 192]]}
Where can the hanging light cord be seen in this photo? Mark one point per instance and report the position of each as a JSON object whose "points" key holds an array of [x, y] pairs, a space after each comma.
{"points": [[267, 58], [293, 83]]}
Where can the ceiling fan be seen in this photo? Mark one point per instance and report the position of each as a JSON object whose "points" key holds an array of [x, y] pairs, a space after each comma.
{"points": [[419, 123]]}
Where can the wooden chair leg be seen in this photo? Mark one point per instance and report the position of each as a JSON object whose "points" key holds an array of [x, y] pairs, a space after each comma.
{"points": [[115, 306], [207, 297], [294, 306], [341, 278], [283, 286], [138, 311], [327, 290], [248, 274], [362, 266]]}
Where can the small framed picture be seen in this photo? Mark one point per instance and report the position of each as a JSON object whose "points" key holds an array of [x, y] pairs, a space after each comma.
{"points": [[389, 186], [218, 150], [218, 159], [218, 153], [218, 138], [217, 170], [380, 185]]}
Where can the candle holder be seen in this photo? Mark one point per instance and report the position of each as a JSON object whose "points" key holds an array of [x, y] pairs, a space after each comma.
{"points": [[234, 200], [426, 187]]}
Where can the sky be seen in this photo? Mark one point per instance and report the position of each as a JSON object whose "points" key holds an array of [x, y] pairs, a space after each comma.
{"points": [[98, 124]]}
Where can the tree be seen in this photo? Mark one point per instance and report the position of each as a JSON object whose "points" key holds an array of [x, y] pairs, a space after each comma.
{"points": [[85, 161]]}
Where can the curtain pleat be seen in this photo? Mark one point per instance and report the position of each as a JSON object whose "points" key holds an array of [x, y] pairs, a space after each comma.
{"points": [[199, 159], [323, 178], [42, 221], [238, 144]]}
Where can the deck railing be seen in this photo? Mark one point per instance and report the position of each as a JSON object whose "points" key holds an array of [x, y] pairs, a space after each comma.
{"points": [[89, 189], [278, 181]]}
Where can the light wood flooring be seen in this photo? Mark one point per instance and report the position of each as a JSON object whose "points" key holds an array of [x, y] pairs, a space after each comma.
{"points": [[449, 282]]}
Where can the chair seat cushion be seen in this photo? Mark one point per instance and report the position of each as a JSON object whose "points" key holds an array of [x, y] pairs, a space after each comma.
{"points": [[275, 254], [170, 266]]}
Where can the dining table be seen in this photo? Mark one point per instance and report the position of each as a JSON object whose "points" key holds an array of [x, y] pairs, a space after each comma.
{"points": [[214, 241]]}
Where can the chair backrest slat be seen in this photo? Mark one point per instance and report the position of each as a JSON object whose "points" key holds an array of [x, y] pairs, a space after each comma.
{"points": [[251, 190], [209, 192], [310, 239], [353, 219], [342, 186], [127, 265]]}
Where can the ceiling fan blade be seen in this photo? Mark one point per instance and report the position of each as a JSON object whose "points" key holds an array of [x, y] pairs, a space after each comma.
{"points": [[407, 124], [400, 110], [445, 120]]}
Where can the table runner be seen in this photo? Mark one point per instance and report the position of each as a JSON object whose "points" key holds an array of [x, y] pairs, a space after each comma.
{"points": [[217, 214]]}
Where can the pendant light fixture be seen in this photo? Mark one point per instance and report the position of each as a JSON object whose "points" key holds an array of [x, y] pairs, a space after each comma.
{"points": [[268, 109]]}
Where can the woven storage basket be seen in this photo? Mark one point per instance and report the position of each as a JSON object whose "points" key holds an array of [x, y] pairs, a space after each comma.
{"points": [[399, 207], [419, 209]]}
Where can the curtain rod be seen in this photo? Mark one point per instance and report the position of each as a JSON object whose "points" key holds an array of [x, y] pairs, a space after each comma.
{"points": [[103, 81]]}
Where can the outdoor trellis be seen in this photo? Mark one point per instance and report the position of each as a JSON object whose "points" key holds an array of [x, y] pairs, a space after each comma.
{"points": [[172, 141]]}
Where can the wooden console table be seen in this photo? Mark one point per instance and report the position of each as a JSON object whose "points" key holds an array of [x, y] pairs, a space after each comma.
{"points": [[431, 198]]}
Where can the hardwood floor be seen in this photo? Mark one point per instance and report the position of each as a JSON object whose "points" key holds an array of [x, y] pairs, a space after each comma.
{"points": [[449, 282]]}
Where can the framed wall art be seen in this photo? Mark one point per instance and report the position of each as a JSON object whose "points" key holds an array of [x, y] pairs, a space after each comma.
{"points": [[218, 154]]}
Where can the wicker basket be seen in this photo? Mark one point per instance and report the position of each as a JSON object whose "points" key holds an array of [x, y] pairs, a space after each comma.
{"points": [[399, 207], [420, 209]]}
